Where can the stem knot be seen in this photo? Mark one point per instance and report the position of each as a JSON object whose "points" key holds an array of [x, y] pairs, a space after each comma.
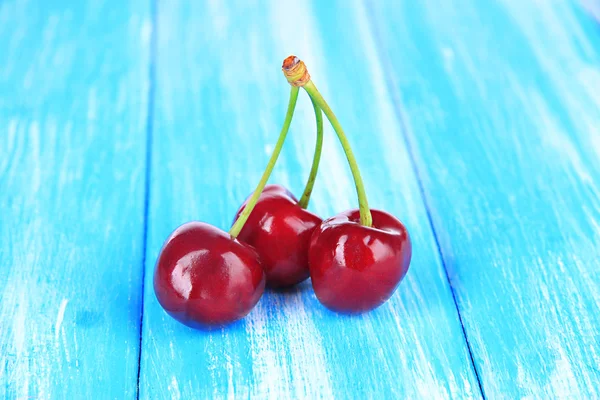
{"points": [[295, 71]]}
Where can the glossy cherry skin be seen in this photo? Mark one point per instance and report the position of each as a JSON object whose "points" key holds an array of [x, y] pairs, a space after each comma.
{"points": [[204, 277], [280, 231], [355, 268]]}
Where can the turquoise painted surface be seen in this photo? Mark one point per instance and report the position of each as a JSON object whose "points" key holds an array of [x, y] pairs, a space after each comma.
{"points": [[477, 124], [215, 123], [73, 110], [501, 108]]}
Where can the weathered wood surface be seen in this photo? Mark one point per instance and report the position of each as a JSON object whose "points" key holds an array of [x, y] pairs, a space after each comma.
{"points": [[220, 101], [73, 106], [477, 124], [501, 107]]}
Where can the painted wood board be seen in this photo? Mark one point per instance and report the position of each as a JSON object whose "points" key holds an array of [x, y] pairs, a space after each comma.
{"points": [[73, 107], [500, 104], [220, 99]]}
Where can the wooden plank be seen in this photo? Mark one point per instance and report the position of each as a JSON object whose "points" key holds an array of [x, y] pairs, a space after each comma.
{"points": [[73, 105], [220, 100], [501, 103]]}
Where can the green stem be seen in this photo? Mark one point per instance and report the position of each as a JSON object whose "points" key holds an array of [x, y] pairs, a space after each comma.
{"points": [[316, 158], [365, 214], [239, 224]]}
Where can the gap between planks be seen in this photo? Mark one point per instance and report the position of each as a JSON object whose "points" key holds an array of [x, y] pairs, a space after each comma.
{"points": [[397, 106], [148, 166]]}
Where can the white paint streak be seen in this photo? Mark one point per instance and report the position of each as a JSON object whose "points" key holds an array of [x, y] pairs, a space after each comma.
{"points": [[146, 32], [174, 389], [563, 380], [36, 173], [92, 103], [309, 367], [59, 318], [20, 337], [265, 367], [448, 55], [219, 18], [230, 382], [553, 136]]}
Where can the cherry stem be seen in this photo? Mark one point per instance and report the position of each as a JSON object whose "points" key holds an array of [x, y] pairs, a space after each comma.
{"points": [[365, 214], [316, 158], [239, 223]]}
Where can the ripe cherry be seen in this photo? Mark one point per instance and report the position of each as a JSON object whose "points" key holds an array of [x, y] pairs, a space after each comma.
{"points": [[357, 268], [205, 277], [280, 227], [358, 257], [280, 231]]}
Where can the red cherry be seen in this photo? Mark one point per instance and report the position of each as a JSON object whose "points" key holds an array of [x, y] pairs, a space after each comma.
{"points": [[205, 277], [357, 268], [280, 231]]}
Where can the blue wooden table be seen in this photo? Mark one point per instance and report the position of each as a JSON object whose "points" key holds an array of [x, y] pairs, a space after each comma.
{"points": [[476, 123]]}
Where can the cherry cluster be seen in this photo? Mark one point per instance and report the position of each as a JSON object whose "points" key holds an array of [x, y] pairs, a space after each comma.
{"points": [[205, 276]]}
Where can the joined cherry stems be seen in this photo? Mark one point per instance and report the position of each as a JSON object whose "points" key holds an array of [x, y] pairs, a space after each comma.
{"points": [[297, 75]]}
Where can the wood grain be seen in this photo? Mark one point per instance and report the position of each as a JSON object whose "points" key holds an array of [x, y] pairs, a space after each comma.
{"points": [[479, 119], [501, 106], [73, 91], [220, 100]]}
